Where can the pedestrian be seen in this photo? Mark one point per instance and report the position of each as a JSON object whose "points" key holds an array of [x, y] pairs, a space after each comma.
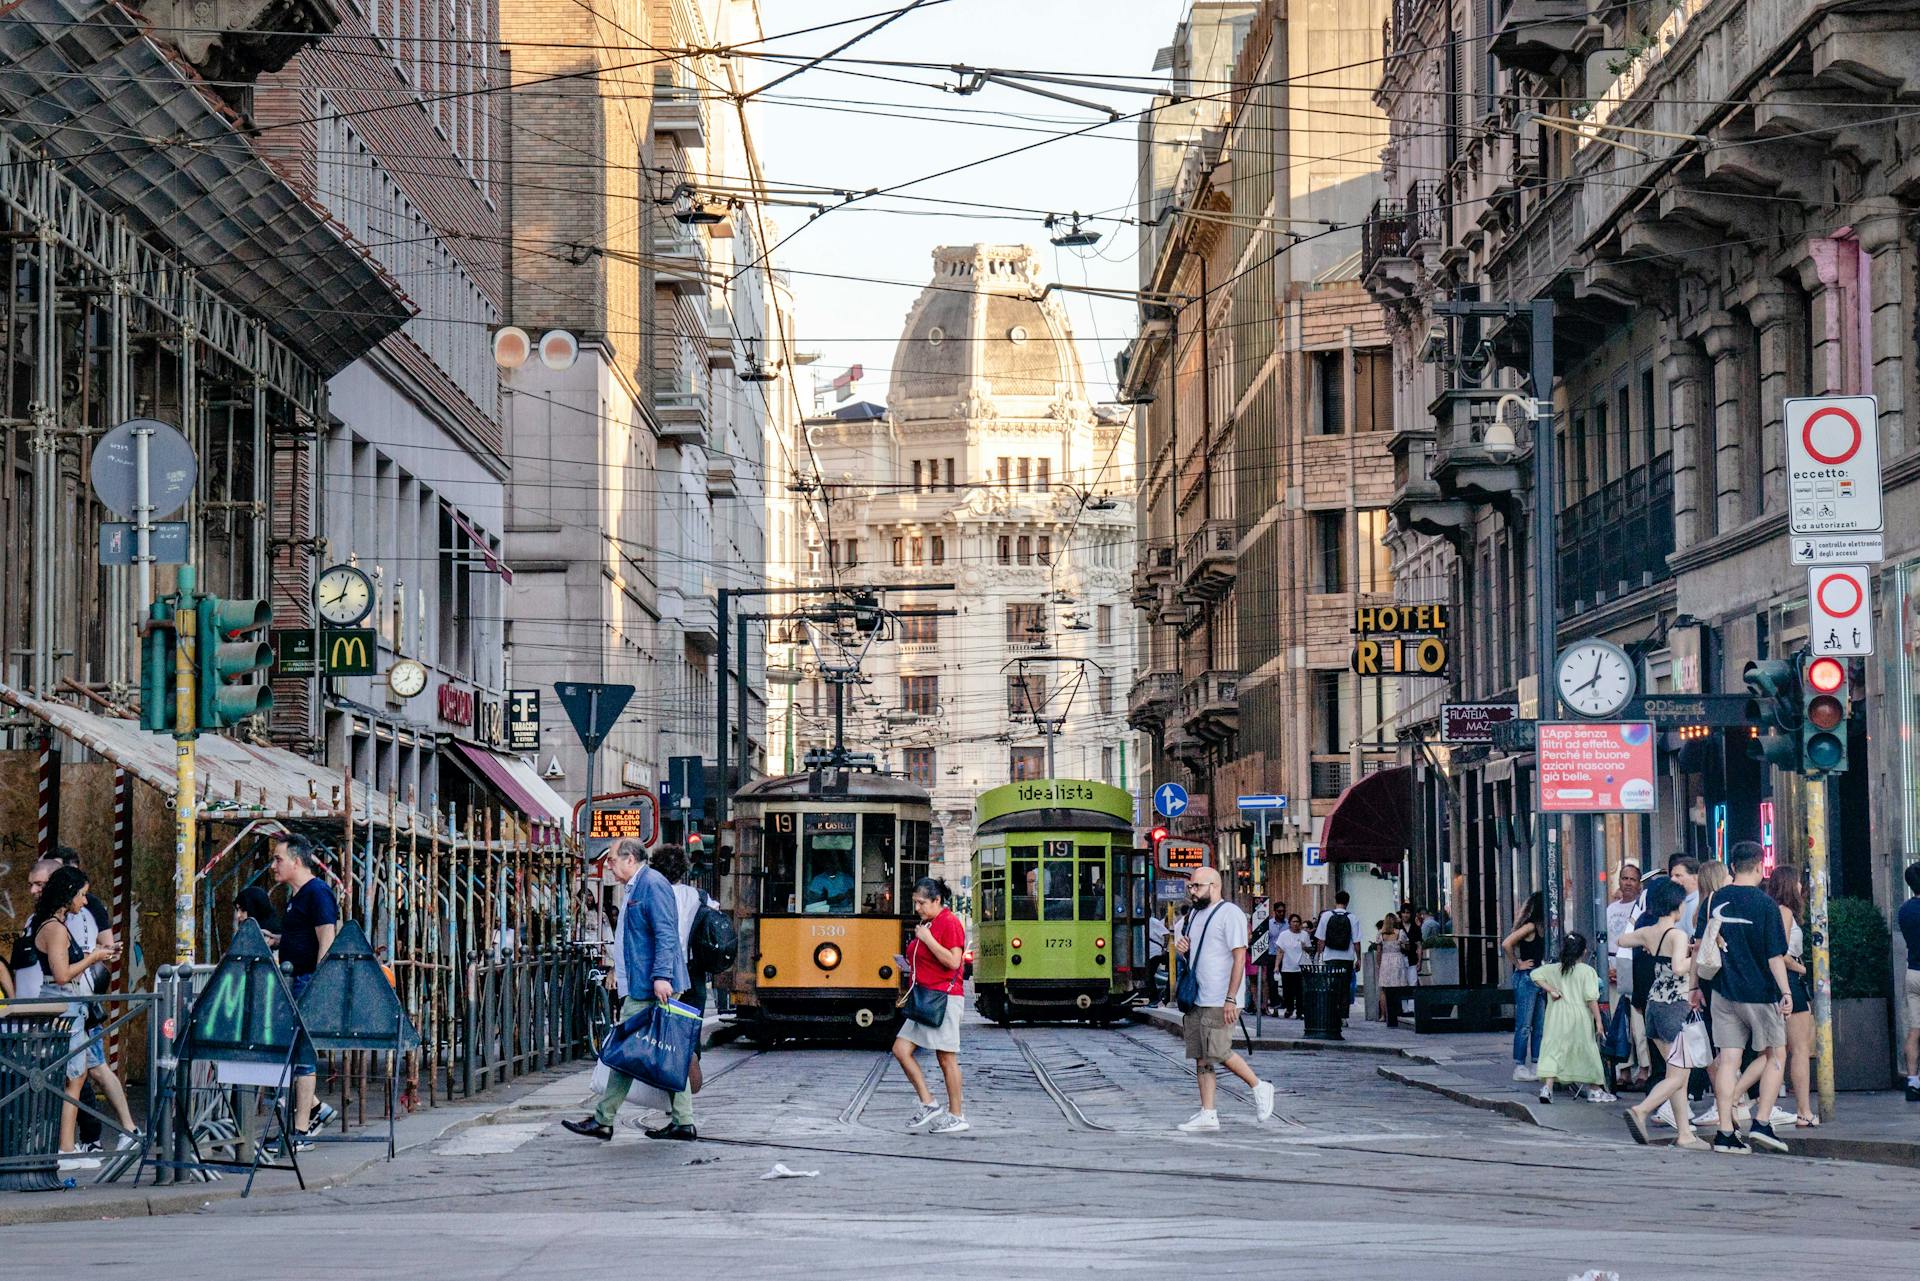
{"points": [[1390, 964], [1213, 948], [1909, 921], [1429, 926], [650, 964], [1785, 886], [1751, 1000], [307, 930], [1666, 1010], [63, 966], [1293, 943], [1336, 943], [28, 976], [1157, 932], [688, 898], [256, 905], [1575, 1024], [934, 961], [1622, 911], [1526, 948], [1713, 875]]}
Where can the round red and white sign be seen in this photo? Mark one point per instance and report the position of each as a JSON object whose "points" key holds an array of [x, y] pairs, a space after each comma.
{"points": [[1839, 595], [1831, 435]]}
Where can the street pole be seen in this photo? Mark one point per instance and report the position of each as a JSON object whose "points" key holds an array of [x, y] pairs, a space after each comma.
{"points": [[593, 774], [717, 803], [142, 522], [1546, 593], [1817, 868], [185, 858]]}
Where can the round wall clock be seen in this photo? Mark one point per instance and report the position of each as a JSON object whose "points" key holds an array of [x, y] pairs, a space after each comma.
{"points": [[1595, 678]]}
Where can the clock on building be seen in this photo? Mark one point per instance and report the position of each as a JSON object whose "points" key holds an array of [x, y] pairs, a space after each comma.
{"points": [[1595, 678], [343, 596]]}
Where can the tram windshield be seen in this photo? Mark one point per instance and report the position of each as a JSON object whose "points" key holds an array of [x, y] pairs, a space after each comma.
{"points": [[826, 864]]}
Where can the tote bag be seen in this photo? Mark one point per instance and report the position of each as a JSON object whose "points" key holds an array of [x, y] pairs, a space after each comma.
{"points": [[656, 1045]]}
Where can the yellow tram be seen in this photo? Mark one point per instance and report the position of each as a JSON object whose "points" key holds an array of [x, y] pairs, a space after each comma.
{"points": [[820, 892]]}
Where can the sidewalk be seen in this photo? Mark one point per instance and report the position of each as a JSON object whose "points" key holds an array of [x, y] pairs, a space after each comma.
{"points": [[1476, 1069]]}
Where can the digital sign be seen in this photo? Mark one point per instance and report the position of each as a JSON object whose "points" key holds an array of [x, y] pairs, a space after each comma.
{"points": [[617, 824]]}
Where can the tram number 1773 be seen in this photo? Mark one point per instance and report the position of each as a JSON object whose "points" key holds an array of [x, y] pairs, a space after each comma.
{"points": [[1059, 942]]}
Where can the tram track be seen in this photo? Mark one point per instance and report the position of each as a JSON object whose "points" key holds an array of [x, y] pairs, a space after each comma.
{"points": [[1076, 1118], [863, 1093]]}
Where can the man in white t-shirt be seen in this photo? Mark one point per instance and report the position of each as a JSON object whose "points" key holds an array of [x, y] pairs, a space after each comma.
{"points": [[1337, 940], [1291, 943], [1212, 945]]}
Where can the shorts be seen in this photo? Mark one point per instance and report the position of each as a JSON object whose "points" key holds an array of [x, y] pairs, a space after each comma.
{"points": [[1802, 999], [1748, 1025], [1913, 998], [1665, 1019], [305, 1061], [946, 1037], [1209, 1039]]}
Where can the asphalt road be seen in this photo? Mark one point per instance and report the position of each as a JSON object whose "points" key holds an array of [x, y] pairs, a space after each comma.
{"points": [[1073, 1167]]}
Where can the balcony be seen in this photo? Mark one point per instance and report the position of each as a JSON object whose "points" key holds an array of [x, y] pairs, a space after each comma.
{"points": [[1418, 506], [679, 263], [720, 477], [1532, 35], [1188, 750], [1616, 540], [1152, 574], [1152, 698], [1209, 706], [719, 338], [1206, 563], [1393, 237], [679, 410], [1463, 467], [699, 620], [676, 112]]}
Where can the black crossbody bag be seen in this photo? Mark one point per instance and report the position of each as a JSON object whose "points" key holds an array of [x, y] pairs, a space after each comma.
{"points": [[923, 1004], [1187, 992]]}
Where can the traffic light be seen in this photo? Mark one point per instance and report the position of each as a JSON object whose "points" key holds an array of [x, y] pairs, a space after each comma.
{"points": [[157, 650], [1774, 710], [1823, 721], [231, 636]]}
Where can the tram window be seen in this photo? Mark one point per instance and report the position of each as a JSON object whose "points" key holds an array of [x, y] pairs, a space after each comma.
{"points": [[1059, 872], [781, 846], [877, 896], [914, 837], [1093, 885], [826, 864], [1025, 883]]}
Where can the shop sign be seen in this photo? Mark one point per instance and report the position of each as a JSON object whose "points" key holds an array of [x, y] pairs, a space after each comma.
{"points": [[492, 729], [1473, 722], [1401, 640], [456, 705], [523, 720], [1588, 767]]}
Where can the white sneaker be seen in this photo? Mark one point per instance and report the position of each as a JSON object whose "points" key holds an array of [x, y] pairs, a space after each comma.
{"points": [[1663, 1115], [1204, 1120], [1525, 1073], [950, 1124], [80, 1161], [1780, 1116], [1595, 1094], [924, 1114], [1709, 1115], [1263, 1100]]}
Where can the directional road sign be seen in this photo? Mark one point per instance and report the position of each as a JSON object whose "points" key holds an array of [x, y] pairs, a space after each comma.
{"points": [[1170, 800], [1263, 801], [593, 709], [1833, 465], [1840, 610]]}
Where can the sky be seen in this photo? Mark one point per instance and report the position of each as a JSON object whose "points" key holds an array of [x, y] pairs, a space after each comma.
{"points": [[854, 131]]}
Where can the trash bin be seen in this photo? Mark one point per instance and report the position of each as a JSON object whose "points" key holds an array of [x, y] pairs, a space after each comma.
{"points": [[33, 1038], [1324, 993]]}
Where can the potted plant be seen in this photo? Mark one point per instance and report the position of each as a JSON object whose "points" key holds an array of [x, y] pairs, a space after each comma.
{"points": [[1858, 943], [1440, 962]]}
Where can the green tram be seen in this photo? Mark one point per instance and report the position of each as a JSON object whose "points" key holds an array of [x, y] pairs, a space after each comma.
{"points": [[1060, 902]]}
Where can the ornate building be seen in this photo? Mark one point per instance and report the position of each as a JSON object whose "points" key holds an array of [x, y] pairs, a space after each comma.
{"points": [[993, 472]]}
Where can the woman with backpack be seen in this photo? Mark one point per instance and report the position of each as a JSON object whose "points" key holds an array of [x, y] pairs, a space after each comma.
{"points": [[1570, 1050], [932, 1006], [1526, 947]]}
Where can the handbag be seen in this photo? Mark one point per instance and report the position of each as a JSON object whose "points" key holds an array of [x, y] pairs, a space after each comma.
{"points": [[1693, 1048], [922, 1004], [656, 1045], [1619, 1043], [1187, 992], [1708, 958]]}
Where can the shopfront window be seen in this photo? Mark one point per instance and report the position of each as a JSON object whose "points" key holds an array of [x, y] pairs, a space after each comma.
{"points": [[826, 864]]}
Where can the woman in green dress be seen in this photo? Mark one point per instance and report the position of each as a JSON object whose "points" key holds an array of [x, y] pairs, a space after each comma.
{"points": [[1570, 1050]]}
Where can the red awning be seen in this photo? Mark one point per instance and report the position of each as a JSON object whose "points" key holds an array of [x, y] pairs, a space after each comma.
{"points": [[1372, 822], [527, 790]]}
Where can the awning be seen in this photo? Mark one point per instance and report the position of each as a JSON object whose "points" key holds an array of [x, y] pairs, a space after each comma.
{"points": [[238, 780], [1372, 822], [516, 781]]}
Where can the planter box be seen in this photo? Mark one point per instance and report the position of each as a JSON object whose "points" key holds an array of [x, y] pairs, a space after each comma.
{"points": [[1862, 1044], [1445, 965]]}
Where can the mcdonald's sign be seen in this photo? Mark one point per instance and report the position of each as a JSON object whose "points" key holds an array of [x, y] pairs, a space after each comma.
{"points": [[350, 651]]}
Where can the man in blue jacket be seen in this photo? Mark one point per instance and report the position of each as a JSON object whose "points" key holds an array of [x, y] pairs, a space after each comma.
{"points": [[651, 966]]}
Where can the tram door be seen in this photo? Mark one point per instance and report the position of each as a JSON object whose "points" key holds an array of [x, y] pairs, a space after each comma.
{"points": [[1132, 882]]}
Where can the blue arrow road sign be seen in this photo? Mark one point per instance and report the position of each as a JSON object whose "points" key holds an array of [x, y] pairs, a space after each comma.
{"points": [[1170, 800], [1264, 801]]}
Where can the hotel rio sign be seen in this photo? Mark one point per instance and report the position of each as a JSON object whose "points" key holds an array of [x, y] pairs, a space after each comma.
{"points": [[1401, 640]]}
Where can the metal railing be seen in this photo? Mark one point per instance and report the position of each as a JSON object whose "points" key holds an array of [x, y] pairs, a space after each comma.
{"points": [[1617, 539], [525, 1012]]}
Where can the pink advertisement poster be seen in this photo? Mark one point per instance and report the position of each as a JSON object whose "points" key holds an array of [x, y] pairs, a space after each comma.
{"points": [[1596, 767]]}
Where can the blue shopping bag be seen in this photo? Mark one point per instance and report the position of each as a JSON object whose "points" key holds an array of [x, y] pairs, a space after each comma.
{"points": [[656, 1045], [1619, 1043]]}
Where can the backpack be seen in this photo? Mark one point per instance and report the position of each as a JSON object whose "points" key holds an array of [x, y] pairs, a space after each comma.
{"points": [[1339, 931], [714, 944]]}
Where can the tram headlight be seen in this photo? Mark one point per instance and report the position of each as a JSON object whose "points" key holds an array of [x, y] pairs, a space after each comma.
{"points": [[826, 956], [1015, 942], [1100, 945]]}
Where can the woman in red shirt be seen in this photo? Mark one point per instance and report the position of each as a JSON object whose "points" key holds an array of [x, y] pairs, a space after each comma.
{"points": [[936, 954]]}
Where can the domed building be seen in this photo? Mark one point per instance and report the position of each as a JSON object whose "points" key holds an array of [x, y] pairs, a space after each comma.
{"points": [[991, 470]]}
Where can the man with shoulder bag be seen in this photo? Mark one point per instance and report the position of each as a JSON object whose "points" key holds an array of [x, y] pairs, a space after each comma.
{"points": [[1212, 946]]}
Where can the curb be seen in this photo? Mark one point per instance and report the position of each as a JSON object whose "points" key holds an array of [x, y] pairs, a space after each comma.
{"points": [[1460, 1090], [1171, 1027]]}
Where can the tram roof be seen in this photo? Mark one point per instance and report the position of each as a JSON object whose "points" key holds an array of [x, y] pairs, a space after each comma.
{"points": [[835, 785]]}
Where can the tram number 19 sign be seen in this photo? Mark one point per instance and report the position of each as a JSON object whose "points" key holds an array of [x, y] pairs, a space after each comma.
{"points": [[1833, 465]]}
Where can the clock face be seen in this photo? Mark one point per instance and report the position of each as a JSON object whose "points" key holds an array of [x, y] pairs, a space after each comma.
{"points": [[343, 596], [1595, 678], [406, 678]]}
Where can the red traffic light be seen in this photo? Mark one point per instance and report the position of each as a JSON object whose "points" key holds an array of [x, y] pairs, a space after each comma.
{"points": [[1157, 835], [1826, 674]]}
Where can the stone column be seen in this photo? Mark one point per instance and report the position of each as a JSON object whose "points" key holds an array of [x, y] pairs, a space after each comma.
{"points": [[1890, 324], [1725, 339], [1689, 420], [1773, 308]]}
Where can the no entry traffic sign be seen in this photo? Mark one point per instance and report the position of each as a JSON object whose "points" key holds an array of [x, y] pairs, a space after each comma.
{"points": [[1839, 610], [1833, 465]]}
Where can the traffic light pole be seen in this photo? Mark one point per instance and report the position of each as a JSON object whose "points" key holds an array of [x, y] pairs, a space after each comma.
{"points": [[1818, 836], [185, 836]]}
